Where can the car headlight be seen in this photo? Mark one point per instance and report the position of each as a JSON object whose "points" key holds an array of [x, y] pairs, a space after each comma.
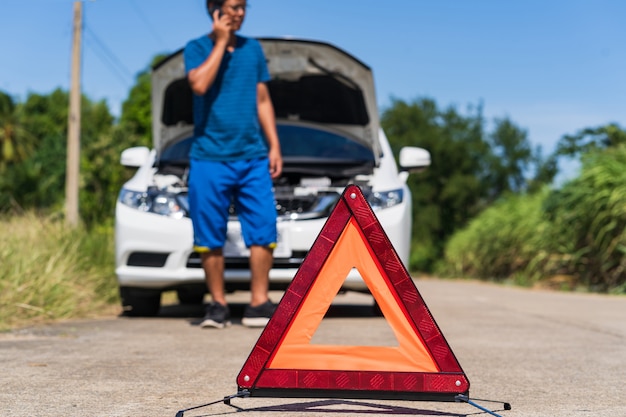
{"points": [[154, 201], [385, 199]]}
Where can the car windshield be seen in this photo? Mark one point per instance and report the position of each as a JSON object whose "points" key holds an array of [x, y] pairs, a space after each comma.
{"points": [[298, 144]]}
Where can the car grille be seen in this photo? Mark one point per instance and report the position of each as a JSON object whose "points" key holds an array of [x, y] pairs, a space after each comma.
{"points": [[294, 207], [301, 207], [147, 259], [296, 259]]}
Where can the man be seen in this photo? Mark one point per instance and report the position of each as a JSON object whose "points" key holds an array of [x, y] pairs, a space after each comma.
{"points": [[234, 157]]}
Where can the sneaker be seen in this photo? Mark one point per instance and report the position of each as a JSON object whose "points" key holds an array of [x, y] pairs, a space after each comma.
{"points": [[217, 316], [258, 316]]}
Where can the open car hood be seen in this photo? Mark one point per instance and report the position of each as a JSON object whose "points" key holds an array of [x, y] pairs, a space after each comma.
{"points": [[312, 82]]}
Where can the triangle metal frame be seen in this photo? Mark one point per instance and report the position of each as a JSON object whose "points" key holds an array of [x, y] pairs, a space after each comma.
{"points": [[256, 378]]}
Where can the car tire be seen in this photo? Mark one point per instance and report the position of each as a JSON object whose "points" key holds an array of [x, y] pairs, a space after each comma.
{"points": [[376, 311], [138, 302], [190, 297]]}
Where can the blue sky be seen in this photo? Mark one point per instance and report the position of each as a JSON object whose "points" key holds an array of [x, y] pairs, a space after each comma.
{"points": [[552, 66]]}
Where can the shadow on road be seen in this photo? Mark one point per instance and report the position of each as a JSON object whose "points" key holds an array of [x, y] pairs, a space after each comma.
{"points": [[343, 407], [196, 312], [340, 407]]}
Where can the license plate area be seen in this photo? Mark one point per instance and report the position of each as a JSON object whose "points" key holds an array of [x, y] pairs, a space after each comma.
{"points": [[235, 247]]}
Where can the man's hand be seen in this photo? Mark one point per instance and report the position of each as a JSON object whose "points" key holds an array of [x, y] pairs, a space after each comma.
{"points": [[268, 124], [222, 25], [276, 163], [202, 77]]}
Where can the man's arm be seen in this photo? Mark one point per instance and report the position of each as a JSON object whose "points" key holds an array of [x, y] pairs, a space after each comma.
{"points": [[202, 77], [268, 124]]}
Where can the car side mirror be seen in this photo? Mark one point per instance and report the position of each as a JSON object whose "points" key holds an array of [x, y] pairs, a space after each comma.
{"points": [[135, 157], [414, 159]]}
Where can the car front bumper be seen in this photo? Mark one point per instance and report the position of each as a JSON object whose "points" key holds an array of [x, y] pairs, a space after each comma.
{"points": [[156, 252]]}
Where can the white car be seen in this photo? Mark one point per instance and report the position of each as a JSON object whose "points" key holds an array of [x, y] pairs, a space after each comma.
{"points": [[328, 123]]}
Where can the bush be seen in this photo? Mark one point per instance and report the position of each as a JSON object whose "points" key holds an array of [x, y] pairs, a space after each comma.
{"points": [[588, 218], [575, 235], [50, 272], [500, 242]]}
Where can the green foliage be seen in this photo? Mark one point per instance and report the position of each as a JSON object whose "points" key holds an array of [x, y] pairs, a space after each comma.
{"points": [[136, 119], [51, 272], [443, 198], [39, 180], [15, 141], [546, 170], [576, 233], [510, 158], [470, 169], [102, 176], [588, 218], [47, 114], [590, 139], [35, 180], [501, 242]]}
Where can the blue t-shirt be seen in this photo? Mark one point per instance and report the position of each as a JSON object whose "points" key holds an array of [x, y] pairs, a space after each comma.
{"points": [[226, 122]]}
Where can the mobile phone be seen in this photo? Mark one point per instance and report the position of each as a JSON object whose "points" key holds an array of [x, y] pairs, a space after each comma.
{"points": [[212, 10]]}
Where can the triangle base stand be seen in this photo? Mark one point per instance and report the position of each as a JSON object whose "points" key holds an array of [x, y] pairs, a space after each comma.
{"points": [[226, 400], [245, 393], [470, 401], [350, 394]]}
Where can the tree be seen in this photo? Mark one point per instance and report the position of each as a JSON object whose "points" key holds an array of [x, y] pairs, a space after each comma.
{"points": [[451, 190], [588, 222], [546, 169], [39, 180], [511, 157], [588, 139], [103, 175], [470, 168], [16, 142], [136, 118]]}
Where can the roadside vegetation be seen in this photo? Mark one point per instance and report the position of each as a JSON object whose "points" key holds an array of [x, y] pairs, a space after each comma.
{"points": [[487, 207], [571, 238], [51, 272]]}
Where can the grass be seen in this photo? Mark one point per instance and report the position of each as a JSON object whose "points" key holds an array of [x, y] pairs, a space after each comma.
{"points": [[571, 238], [51, 272], [500, 243]]}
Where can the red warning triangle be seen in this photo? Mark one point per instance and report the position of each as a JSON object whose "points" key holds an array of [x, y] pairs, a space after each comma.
{"points": [[284, 363]]}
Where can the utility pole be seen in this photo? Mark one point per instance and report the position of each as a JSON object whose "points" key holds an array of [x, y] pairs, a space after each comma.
{"points": [[73, 128]]}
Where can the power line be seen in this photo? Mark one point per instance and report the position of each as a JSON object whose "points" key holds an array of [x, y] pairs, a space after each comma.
{"points": [[145, 20], [109, 58]]}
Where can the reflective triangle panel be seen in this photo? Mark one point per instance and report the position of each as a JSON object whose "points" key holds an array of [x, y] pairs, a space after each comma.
{"points": [[284, 362]]}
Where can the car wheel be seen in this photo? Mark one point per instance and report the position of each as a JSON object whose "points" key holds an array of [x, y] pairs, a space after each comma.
{"points": [[376, 311], [190, 297], [138, 302]]}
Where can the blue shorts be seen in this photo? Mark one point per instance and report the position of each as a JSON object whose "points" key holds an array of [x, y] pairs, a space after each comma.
{"points": [[213, 185]]}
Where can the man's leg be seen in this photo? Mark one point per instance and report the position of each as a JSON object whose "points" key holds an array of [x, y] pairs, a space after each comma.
{"points": [[213, 265], [257, 215], [217, 313], [261, 309], [261, 259]]}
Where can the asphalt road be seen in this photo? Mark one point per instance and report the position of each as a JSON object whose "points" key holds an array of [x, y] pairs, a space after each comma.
{"points": [[546, 353]]}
